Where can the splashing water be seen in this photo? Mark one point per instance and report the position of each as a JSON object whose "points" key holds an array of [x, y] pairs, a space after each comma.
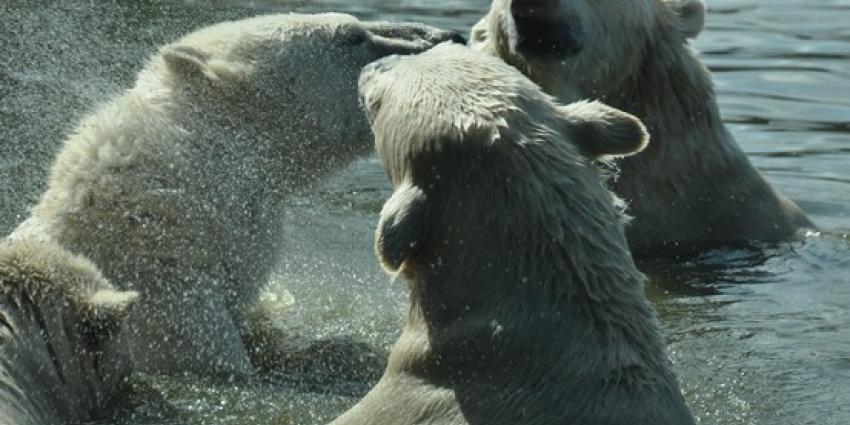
{"points": [[757, 336]]}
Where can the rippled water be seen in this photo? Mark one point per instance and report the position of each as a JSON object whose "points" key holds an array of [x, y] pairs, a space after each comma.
{"points": [[758, 337]]}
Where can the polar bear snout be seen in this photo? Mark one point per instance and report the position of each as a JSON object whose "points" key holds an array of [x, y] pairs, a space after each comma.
{"points": [[414, 32], [541, 32], [393, 41], [405, 39]]}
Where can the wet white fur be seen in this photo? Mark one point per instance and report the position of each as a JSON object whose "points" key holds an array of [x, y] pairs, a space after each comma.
{"points": [[525, 304], [694, 186], [60, 361], [175, 188]]}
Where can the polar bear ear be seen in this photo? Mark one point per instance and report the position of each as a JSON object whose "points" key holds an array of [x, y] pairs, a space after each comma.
{"points": [[401, 227], [192, 63], [111, 303], [600, 130], [691, 16], [107, 309], [187, 61]]}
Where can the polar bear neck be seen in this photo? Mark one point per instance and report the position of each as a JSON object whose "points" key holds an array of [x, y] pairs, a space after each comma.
{"points": [[222, 122], [671, 92], [525, 276], [692, 165]]}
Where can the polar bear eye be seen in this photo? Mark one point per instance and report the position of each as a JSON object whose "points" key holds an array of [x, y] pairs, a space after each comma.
{"points": [[479, 35]]}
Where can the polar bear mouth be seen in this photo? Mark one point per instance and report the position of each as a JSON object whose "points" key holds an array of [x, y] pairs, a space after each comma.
{"points": [[409, 38], [414, 33]]}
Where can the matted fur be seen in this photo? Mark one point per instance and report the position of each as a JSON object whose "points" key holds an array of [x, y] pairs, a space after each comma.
{"points": [[525, 304], [59, 359], [175, 188], [694, 186]]}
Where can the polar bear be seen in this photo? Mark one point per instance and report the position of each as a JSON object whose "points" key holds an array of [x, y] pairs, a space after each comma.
{"points": [[694, 186], [174, 189], [61, 360], [525, 304]]}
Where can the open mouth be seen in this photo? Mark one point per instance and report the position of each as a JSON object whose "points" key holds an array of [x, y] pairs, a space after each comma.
{"points": [[409, 38], [414, 32]]}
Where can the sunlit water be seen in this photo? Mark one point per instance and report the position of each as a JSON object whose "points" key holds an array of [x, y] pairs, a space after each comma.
{"points": [[758, 337]]}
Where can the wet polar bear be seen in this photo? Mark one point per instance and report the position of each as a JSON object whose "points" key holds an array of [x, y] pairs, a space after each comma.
{"points": [[174, 189], [526, 307], [60, 358], [693, 186]]}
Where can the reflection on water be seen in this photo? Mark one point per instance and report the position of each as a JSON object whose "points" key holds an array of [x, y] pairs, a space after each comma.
{"points": [[761, 336], [758, 336]]}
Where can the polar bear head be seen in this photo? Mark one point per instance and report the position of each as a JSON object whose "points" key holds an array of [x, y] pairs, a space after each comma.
{"points": [[288, 76], [584, 48], [452, 110], [60, 321]]}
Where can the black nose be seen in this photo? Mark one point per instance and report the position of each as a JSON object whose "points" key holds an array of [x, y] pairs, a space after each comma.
{"points": [[458, 38], [543, 38], [542, 33]]}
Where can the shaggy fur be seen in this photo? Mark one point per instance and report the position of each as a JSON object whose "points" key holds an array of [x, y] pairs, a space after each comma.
{"points": [[59, 359], [175, 188], [526, 307], [694, 186]]}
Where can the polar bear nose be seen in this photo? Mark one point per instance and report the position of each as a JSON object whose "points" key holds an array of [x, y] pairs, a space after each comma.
{"points": [[542, 32]]}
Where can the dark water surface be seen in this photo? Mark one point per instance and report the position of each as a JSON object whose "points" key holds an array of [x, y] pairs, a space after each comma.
{"points": [[758, 337]]}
